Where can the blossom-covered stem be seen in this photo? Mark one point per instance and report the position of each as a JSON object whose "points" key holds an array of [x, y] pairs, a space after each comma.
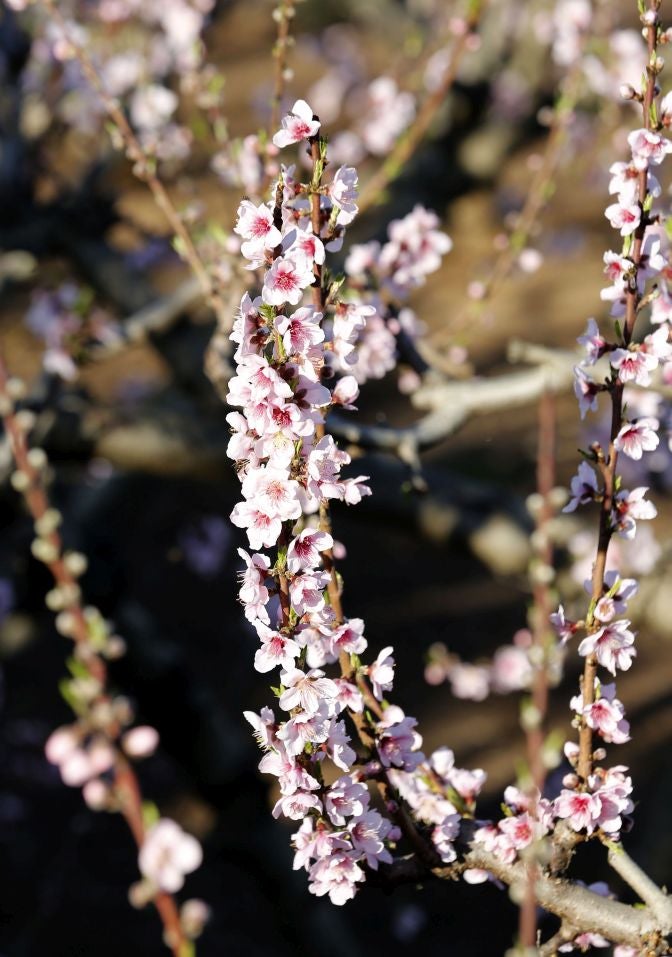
{"points": [[607, 465], [409, 141], [143, 166], [126, 787]]}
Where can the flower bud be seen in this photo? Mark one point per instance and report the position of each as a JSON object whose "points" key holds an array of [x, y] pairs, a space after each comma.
{"points": [[140, 742], [20, 481], [44, 550], [48, 522], [194, 915], [37, 458]]}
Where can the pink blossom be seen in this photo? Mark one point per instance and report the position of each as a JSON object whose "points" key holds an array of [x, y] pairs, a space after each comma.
{"points": [[583, 487], [338, 746], [286, 280], [140, 741], [637, 437], [626, 217], [593, 342], [296, 806], [336, 876], [307, 592], [563, 628], [276, 649], [648, 148], [253, 592], [255, 225], [262, 526], [586, 391], [634, 365], [581, 809], [630, 508], [304, 550], [301, 330], [314, 841], [398, 740], [273, 491], [511, 669], [345, 798], [296, 126], [304, 244], [369, 832], [381, 673], [612, 645], [167, 854], [343, 192], [305, 691], [469, 682]]}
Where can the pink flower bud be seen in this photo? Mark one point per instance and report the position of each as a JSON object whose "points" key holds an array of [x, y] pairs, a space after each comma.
{"points": [[60, 744], [140, 742], [96, 794]]}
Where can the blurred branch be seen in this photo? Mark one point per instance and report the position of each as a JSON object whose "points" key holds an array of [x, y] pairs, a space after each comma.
{"points": [[408, 142]]}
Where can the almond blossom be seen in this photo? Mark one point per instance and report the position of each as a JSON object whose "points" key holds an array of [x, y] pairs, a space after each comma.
{"points": [[297, 125], [612, 645], [637, 437], [167, 854]]}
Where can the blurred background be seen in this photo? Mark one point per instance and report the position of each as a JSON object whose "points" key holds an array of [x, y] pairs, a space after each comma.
{"points": [[515, 163]]}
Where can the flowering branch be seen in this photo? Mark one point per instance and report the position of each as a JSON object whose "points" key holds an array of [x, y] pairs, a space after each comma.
{"points": [[144, 166], [95, 752]]}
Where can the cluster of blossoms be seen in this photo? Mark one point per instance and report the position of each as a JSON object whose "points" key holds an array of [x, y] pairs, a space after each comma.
{"points": [[290, 363], [291, 359], [154, 41]]}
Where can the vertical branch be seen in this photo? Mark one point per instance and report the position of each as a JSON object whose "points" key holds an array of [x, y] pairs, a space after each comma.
{"points": [[534, 725], [48, 548], [282, 14], [607, 464]]}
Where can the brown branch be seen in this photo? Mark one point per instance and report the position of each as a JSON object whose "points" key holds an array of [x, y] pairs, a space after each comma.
{"points": [[30, 468], [607, 464]]}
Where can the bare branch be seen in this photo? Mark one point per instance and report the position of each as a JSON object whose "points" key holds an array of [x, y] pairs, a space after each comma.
{"points": [[641, 883]]}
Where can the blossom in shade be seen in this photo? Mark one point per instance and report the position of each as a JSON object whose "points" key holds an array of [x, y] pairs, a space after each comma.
{"points": [[167, 854], [593, 342], [296, 126], [381, 672], [583, 487], [586, 391]]}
